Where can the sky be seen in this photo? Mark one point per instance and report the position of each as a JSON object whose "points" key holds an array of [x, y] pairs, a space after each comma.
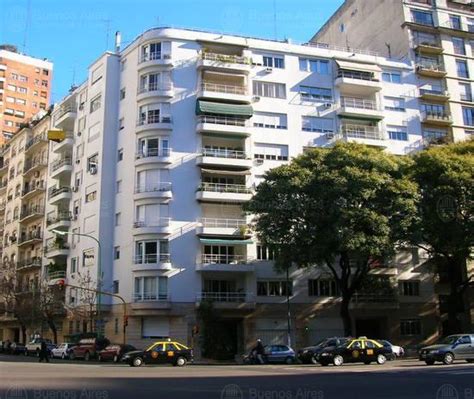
{"points": [[73, 33]]}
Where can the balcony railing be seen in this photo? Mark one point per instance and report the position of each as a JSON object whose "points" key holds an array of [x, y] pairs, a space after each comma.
{"points": [[30, 236], [150, 297], [374, 298], [161, 222], [40, 185], [151, 259], [362, 132], [65, 109], [57, 274], [153, 152], [433, 92], [222, 296], [458, 26], [223, 120], [221, 88], [149, 119], [422, 21], [359, 103], [34, 210], [156, 55], [225, 58], [152, 188], [223, 223], [55, 246], [430, 66], [60, 163], [368, 76], [32, 164], [35, 140], [225, 259], [438, 115], [32, 262], [55, 191], [427, 43], [60, 217], [155, 86], [224, 153], [4, 164], [225, 188]]}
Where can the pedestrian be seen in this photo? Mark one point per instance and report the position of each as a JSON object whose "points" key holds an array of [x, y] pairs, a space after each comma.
{"points": [[43, 354], [259, 351]]}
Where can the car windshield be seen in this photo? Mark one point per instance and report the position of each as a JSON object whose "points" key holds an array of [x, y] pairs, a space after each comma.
{"points": [[449, 340]]}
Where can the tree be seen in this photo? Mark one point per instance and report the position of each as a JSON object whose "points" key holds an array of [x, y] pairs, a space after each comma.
{"points": [[445, 175], [342, 209]]}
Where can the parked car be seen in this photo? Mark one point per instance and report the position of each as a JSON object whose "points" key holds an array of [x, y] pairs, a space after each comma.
{"points": [[16, 348], [359, 350], [310, 354], [397, 351], [114, 352], [62, 351], [159, 353], [279, 354], [449, 349], [88, 348], [34, 347]]}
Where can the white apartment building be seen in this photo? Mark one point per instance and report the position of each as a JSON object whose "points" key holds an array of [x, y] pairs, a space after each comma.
{"points": [[166, 140]]}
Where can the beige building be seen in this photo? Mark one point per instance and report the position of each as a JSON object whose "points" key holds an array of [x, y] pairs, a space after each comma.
{"points": [[24, 164]]}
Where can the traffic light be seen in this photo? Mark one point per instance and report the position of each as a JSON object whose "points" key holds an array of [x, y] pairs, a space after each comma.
{"points": [[61, 284], [125, 321]]}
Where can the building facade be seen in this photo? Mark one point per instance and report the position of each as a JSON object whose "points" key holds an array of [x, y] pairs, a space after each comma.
{"points": [[25, 89]]}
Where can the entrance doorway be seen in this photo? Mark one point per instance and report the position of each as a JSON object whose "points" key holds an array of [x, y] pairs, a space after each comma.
{"points": [[371, 328]]}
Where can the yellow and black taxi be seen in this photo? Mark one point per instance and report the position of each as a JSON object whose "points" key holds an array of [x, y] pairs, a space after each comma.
{"points": [[357, 350], [160, 352]]}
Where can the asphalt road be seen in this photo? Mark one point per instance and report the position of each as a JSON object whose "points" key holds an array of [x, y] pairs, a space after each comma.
{"points": [[24, 378]]}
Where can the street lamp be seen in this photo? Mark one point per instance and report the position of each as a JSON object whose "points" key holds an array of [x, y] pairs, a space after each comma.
{"points": [[99, 269]]}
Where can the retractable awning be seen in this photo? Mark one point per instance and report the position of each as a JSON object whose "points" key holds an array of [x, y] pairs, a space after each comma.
{"points": [[356, 66], [226, 172], [212, 108], [224, 242]]}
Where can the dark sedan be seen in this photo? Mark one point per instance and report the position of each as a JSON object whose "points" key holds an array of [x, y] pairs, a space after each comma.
{"points": [[114, 352], [310, 354]]}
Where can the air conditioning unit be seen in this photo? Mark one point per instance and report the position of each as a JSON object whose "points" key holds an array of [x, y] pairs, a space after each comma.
{"points": [[259, 162], [255, 99], [74, 217], [74, 189], [81, 106], [79, 134], [78, 161], [327, 105], [166, 119], [268, 70], [330, 136], [93, 170]]}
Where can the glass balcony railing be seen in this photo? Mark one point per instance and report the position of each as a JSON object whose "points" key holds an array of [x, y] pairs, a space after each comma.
{"points": [[151, 259], [153, 188], [362, 132], [224, 153], [225, 188], [223, 88]]}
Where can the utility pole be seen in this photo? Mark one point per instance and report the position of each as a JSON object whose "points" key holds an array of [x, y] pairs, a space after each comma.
{"points": [[288, 315]]}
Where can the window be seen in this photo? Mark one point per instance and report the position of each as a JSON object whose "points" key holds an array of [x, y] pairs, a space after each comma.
{"points": [[45, 72], [152, 251], [22, 90], [14, 76], [115, 287], [151, 51], [465, 92], [392, 77], [11, 87], [123, 65], [91, 196], [76, 209], [122, 94], [468, 116], [121, 123], [394, 104], [422, 17], [322, 287], [11, 100], [398, 133], [315, 93], [21, 101], [44, 83], [269, 120], [314, 65], [118, 218], [455, 22], [96, 75], [118, 186], [151, 288], [88, 257], [409, 288], [265, 253], [315, 124], [117, 252], [120, 155], [410, 327], [434, 134], [462, 70], [271, 152], [93, 163], [269, 89], [275, 288], [458, 45], [74, 265], [23, 78], [95, 103], [20, 114], [273, 61]]}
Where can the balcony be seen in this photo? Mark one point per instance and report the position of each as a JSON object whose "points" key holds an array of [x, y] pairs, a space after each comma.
{"points": [[35, 142], [226, 92], [55, 249], [160, 190], [31, 213], [434, 95], [224, 125], [160, 226], [28, 264], [34, 165], [4, 166], [65, 144], [225, 158], [150, 301], [153, 59], [155, 90], [359, 107], [30, 238], [224, 62], [431, 69], [460, 27], [375, 301], [55, 277], [153, 155], [29, 192], [357, 82], [66, 116], [62, 221], [368, 135], [152, 262], [427, 46], [228, 300], [442, 118], [154, 122], [57, 195], [61, 168], [221, 192], [225, 263], [222, 227]]}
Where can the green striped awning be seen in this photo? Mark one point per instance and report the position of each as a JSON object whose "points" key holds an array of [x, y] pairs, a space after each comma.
{"points": [[224, 242], [212, 108]]}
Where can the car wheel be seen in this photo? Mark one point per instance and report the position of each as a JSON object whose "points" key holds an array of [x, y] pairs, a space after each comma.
{"points": [[429, 362], [181, 361], [314, 360], [137, 362], [381, 359], [87, 356], [367, 362], [338, 360], [289, 360], [448, 358], [116, 358], [63, 356], [324, 364]]}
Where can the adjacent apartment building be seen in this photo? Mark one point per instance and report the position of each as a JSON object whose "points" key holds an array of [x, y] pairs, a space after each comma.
{"points": [[157, 151], [25, 89]]}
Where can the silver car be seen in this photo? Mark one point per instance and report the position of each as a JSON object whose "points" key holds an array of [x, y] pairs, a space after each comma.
{"points": [[279, 354], [62, 351]]}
